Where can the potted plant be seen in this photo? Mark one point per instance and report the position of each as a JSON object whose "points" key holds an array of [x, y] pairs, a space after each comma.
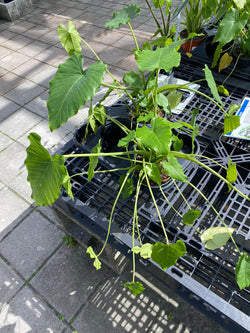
{"points": [[150, 151], [233, 32]]}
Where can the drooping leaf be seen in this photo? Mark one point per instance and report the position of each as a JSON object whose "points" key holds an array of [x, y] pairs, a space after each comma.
{"points": [[233, 108], [230, 26], [190, 216], [93, 160], [167, 255], [153, 172], [222, 90], [174, 98], [70, 38], [67, 185], [163, 102], [145, 250], [217, 53], [99, 113], [216, 237], [97, 263], [174, 169], [133, 79], [123, 142], [231, 123], [242, 271], [231, 173], [123, 17], [71, 88], [195, 131], [158, 138], [46, 174], [128, 187], [225, 61], [162, 58], [145, 118], [135, 288], [212, 85]]}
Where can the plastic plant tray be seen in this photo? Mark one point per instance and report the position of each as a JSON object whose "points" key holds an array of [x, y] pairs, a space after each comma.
{"points": [[205, 278]]}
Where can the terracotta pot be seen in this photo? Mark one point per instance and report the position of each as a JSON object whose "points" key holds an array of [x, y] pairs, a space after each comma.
{"points": [[189, 45]]}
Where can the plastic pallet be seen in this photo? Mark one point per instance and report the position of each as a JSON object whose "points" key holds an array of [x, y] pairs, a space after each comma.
{"points": [[205, 278]]}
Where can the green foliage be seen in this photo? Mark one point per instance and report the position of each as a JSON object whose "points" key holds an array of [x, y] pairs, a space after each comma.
{"points": [[216, 237], [46, 174], [70, 38], [97, 264], [153, 171], [123, 17], [242, 271], [231, 173], [174, 169], [70, 241], [93, 160], [166, 255], [71, 88], [190, 216], [135, 288], [212, 85], [162, 58], [128, 187], [145, 250], [133, 79], [231, 123]]}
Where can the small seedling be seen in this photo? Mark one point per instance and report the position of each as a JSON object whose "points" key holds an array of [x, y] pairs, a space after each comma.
{"points": [[70, 241]]}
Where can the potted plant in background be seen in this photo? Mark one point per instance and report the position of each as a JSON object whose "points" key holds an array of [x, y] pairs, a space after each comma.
{"points": [[150, 152]]}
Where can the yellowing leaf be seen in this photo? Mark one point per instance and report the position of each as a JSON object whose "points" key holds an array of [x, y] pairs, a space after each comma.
{"points": [[189, 54], [222, 90], [225, 61]]}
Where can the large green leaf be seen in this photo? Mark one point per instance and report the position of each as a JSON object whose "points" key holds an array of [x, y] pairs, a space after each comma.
{"points": [[174, 169], [122, 17], [162, 58], [212, 85], [216, 237], [70, 38], [158, 138], [232, 23], [46, 174], [240, 3], [71, 88], [167, 255], [242, 271]]}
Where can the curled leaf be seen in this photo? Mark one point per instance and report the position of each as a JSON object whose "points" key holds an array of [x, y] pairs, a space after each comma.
{"points": [[145, 250]]}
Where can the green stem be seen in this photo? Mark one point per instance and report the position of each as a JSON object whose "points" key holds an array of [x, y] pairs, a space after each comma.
{"points": [[164, 196], [163, 21], [155, 204], [210, 159], [111, 214], [133, 35], [217, 213], [236, 62], [154, 17], [118, 153], [100, 171], [192, 159], [155, 95]]}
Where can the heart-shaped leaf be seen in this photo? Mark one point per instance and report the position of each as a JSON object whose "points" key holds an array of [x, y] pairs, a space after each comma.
{"points": [[123, 17], [167, 255], [158, 138], [216, 237], [174, 169], [230, 26], [71, 88], [242, 271], [135, 288], [70, 38], [225, 61], [46, 174], [162, 58], [133, 79], [190, 216]]}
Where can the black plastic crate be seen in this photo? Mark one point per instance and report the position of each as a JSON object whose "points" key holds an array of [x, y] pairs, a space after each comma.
{"points": [[205, 278]]}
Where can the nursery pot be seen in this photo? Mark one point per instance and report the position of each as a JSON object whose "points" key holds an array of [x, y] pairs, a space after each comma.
{"points": [[243, 61], [189, 45]]}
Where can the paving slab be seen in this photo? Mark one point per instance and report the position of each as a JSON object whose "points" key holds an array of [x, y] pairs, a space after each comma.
{"points": [[21, 186], [5, 141], [28, 313], [17, 42], [10, 283], [12, 167], [13, 210], [39, 105], [10, 81], [25, 92], [35, 239], [34, 48], [7, 107], [19, 123], [73, 272], [10, 62]]}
